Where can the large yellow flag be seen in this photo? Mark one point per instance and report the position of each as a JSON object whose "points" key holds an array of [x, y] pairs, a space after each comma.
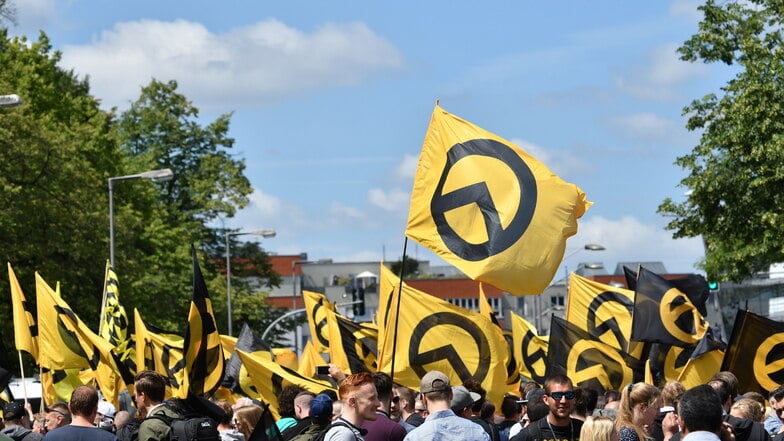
{"points": [[269, 379], [114, 320], [530, 349], [161, 352], [310, 360], [97, 353], [353, 346], [434, 334], [489, 208], [59, 346], [25, 329], [316, 306]]}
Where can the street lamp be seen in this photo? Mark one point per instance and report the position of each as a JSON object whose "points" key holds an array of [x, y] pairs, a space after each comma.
{"points": [[160, 175], [12, 100], [263, 233]]}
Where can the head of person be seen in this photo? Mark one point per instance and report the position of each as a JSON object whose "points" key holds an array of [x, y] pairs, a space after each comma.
{"points": [[725, 393], [590, 397], [105, 416], [559, 397], [149, 389], [488, 410], [227, 418], [57, 415], [748, 408], [462, 401], [611, 395], [671, 393], [436, 391], [121, 418], [598, 429], [321, 409], [732, 382], [384, 386], [639, 407], [700, 410], [302, 404], [776, 399], [84, 402], [286, 400], [475, 386], [537, 411], [511, 408], [14, 414], [246, 418], [359, 397], [406, 400]]}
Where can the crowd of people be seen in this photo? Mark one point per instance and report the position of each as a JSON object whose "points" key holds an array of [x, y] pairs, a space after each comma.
{"points": [[370, 407]]}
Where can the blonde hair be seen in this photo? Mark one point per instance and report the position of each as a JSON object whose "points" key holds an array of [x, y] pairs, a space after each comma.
{"points": [[748, 408], [631, 396], [671, 392], [597, 429]]}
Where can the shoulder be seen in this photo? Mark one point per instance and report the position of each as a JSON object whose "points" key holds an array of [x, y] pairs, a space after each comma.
{"points": [[626, 433], [33, 436], [340, 431]]}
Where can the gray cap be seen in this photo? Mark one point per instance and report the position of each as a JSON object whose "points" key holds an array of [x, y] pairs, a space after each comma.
{"points": [[434, 381], [462, 398]]}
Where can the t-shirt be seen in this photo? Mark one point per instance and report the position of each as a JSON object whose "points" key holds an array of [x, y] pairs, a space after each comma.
{"points": [[79, 433], [540, 431]]}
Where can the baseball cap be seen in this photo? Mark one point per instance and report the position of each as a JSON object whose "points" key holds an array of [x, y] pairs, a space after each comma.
{"points": [[434, 381], [106, 409], [533, 395], [462, 398], [321, 407], [13, 411]]}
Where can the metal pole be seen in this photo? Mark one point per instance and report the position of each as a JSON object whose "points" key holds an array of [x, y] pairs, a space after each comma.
{"points": [[228, 282], [111, 222]]}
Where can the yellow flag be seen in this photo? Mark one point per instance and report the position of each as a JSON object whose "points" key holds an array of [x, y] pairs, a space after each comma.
{"points": [[227, 344], [315, 306], [114, 321], [25, 330], [434, 334], [513, 364], [604, 311], [310, 360], [353, 346], [489, 208], [162, 353], [530, 349], [59, 346], [269, 379], [58, 385]]}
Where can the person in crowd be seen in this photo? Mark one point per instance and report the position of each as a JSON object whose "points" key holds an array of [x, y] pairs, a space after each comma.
{"points": [[512, 410], [105, 416], [590, 397], [598, 429], [580, 406], [383, 428], [557, 424], [121, 419], [441, 422], [462, 401], [57, 415], [406, 401], [360, 401], [700, 414], [420, 408], [667, 418], [482, 403], [638, 408], [39, 423], [773, 423], [320, 417], [246, 418], [743, 429], [748, 408], [84, 409], [293, 405], [226, 428], [17, 423], [301, 414], [610, 407], [532, 405], [487, 420], [150, 392]]}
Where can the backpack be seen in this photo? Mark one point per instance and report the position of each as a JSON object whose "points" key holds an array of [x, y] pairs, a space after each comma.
{"points": [[323, 434], [185, 428], [130, 431]]}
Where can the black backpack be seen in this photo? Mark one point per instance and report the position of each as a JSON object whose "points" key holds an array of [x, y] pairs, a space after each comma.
{"points": [[183, 428]]}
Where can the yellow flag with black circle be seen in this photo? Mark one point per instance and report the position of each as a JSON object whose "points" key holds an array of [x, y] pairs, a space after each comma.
{"points": [[58, 344], [316, 306], [204, 363], [530, 348], [160, 351], [114, 321], [489, 208], [353, 346], [755, 352], [25, 329], [434, 334]]}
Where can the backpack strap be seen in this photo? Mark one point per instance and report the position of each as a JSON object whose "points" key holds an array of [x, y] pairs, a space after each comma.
{"points": [[342, 424]]}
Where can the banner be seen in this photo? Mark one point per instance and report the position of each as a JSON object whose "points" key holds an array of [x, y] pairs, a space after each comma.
{"points": [[353, 346], [249, 342], [705, 361], [530, 349], [489, 208], [160, 351], [25, 329], [756, 353], [310, 360], [316, 306], [114, 320]]}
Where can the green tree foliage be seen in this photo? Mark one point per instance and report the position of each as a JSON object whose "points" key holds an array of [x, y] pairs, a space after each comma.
{"points": [[411, 267], [736, 173]]}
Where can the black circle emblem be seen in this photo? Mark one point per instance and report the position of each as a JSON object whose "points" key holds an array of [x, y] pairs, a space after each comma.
{"points": [[597, 327], [418, 360], [499, 238]]}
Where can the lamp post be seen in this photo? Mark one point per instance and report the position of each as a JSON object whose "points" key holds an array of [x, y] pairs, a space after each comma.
{"points": [[263, 233], [12, 100], [294, 295], [160, 175]]}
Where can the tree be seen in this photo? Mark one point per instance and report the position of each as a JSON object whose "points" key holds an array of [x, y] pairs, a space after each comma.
{"points": [[411, 267], [736, 173]]}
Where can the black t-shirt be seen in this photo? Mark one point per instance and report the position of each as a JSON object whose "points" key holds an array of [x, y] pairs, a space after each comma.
{"points": [[540, 431]]}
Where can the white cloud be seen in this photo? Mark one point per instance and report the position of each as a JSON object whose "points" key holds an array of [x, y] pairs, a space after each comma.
{"points": [[644, 125], [407, 168], [392, 201], [686, 8], [660, 75], [34, 15], [560, 162], [253, 64]]}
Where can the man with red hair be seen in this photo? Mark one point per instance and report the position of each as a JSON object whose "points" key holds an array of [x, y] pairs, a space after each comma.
{"points": [[360, 401]]}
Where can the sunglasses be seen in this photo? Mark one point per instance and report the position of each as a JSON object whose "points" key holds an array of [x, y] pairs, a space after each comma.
{"points": [[558, 395]]}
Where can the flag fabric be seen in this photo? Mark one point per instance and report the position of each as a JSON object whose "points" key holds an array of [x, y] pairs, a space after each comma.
{"points": [[269, 379], [604, 312], [694, 286], [114, 320], [315, 306], [586, 360], [310, 360], [663, 314], [228, 342], [57, 385], [247, 341], [353, 346], [530, 349], [434, 334], [58, 346], [489, 208], [513, 364], [705, 361], [755, 352], [202, 351], [160, 351], [25, 328], [97, 353]]}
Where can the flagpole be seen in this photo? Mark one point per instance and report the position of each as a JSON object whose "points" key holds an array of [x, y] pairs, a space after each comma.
{"points": [[397, 309], [103, 300], [21, 369]]}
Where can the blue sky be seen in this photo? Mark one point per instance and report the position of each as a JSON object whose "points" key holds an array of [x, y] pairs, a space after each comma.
{"points": [[331, 102]]}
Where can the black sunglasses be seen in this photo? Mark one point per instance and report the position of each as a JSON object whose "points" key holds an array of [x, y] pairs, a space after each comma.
{"points": [[558, 395]]}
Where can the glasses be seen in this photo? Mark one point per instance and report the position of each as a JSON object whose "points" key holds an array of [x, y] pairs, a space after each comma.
{"points": [[778, 410], [558, 395], [395, 399]]}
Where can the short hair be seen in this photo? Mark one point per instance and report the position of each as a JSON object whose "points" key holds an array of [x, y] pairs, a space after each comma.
{"points": [[591, 398], [777, 393], [748, 408], [731, 380], [62, 409], [597, 428], [700, 409], [384, 386], [286, 400], [537, 411], [528, 386], [84, 401], [756, 396], [407, 394], [475, 386], [552, 380], [722, 388], [152, 384], [353, 383], [121, 418], [488, 409], [611, 395], [671, 392], [510, 406]]}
